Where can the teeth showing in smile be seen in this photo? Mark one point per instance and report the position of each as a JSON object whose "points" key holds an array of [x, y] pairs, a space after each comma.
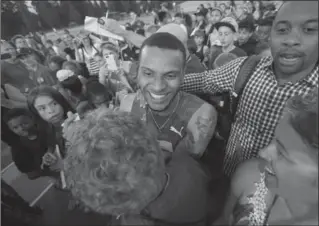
{"points": [[157, 97]]}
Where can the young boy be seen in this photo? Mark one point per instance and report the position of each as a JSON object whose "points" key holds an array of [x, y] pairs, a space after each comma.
{"points": [[263, 29], [246, 41], [30, 152], [227, 30]]}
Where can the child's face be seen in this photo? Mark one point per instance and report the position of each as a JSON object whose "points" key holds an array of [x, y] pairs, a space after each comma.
{"points": [[22, 126], [49, 110], [100, 101], [215, 17], [100, 60], [53, 66], [263, 33], [226, 36], [243, 35], [199, 40]]}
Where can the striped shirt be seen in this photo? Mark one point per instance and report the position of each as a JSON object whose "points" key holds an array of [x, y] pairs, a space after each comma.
{"points": [[259, 109]]}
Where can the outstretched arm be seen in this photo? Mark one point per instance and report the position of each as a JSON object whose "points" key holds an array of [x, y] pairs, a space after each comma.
{"points": [[213, 81]]}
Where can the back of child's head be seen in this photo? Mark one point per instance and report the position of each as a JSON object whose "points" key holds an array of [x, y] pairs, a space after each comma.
{"points": [[95, 89], [223, 59]]}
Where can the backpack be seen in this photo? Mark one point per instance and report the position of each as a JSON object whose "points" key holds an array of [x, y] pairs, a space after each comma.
{"points": [[226, 103]]}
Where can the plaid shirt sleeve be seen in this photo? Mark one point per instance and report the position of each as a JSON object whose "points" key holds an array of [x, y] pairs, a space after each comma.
{"points": [[213, 81]]}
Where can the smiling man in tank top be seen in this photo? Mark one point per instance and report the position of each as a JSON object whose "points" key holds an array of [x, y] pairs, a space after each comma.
{"points": [[181, 121]]}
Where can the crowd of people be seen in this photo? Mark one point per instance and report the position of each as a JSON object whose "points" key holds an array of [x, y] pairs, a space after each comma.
{"points": [[205, 118]]}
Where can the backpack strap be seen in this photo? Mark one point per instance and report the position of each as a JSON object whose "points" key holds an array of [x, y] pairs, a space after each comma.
{"points": [[245, 72]]}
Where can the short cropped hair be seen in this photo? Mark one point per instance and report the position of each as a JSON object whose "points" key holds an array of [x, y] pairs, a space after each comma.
{"points": [[114, 164], [164, 40], [303, 116], [16, 112]]}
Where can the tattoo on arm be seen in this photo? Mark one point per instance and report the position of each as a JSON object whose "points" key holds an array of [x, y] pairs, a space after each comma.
{"points": [[205, 127]]}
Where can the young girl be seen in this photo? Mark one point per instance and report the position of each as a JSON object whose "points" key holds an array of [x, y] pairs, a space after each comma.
{"points": [[50, 108], [85, 53]]}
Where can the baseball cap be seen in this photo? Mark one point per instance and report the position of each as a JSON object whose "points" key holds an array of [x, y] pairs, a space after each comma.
{"points": [[228, 22]]}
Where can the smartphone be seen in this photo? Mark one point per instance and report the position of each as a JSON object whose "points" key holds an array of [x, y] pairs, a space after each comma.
{"points": [[110, 62]]}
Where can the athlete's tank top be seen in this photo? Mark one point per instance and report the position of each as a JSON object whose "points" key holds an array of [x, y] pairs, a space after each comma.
{"points": [[176, 127]]}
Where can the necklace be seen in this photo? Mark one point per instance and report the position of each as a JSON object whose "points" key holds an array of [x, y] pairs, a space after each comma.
{"points": [[168, 118]]}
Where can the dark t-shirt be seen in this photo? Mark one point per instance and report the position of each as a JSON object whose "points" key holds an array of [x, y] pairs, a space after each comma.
{"points": [[193, 65], [185, 198], [249, 47], [16, 75]]}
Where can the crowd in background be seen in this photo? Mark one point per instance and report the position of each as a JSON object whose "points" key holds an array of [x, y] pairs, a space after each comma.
{"points": [[71, 96]]}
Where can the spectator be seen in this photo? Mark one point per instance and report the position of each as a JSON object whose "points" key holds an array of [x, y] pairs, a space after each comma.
{"points": [[285, 177], [50, 108], [246, 41], [20, 42], [73, 89], [77, 68], [13, 71], [49, 44], [263, 29], [192, 64], [31, 148], [202, 50], [55, 63], [227, 30], [275, 79], [258, 10], [164, 18], [99, 95], [223, 7], [86, 52], [38, 72], [140, 155], [200, 18], [185, 20], [112, 69], [211, 32]]}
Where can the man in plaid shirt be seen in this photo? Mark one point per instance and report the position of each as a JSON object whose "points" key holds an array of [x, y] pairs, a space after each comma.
{"points": [[292, 70]]}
